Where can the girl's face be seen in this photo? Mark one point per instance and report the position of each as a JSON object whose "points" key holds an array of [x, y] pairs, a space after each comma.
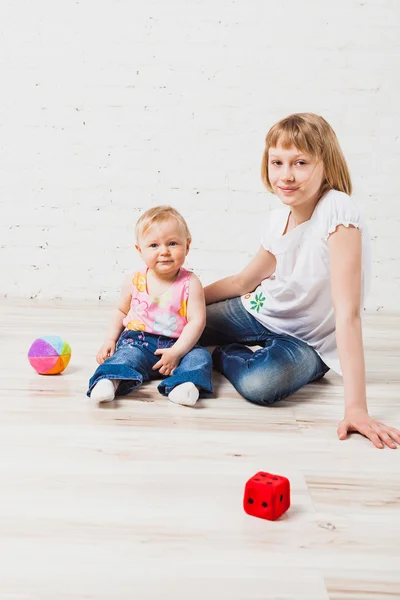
{"points": [[295, 177], [163, 247]]}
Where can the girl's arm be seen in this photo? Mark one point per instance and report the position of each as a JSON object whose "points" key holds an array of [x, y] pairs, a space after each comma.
{"points": [[115, 325], [345, 251], [196, 317], [259, 268]]}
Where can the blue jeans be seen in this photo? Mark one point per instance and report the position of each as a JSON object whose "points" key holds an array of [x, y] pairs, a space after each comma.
{"points": [[134, 358], [282, 366]]}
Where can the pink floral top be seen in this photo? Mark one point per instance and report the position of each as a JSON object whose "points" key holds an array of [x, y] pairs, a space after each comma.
{"points": [[161, 315]]}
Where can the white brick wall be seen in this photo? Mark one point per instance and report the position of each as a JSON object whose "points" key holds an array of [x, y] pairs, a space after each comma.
{"points": [[110, 106]]}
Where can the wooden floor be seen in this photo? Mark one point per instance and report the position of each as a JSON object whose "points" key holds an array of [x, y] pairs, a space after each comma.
{"points": [[144, 500]]}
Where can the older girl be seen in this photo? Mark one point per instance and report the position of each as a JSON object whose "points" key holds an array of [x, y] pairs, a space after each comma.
{"points": [[300, 298]]}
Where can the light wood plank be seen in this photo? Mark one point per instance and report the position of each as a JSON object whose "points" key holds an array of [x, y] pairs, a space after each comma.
{"points": [[144, 498]]}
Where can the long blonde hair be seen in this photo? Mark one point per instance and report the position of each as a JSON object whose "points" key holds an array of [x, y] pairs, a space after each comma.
{"points": [[311, 134]]}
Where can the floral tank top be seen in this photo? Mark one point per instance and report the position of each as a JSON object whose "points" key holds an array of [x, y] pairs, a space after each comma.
{"points": [[162, 315]]}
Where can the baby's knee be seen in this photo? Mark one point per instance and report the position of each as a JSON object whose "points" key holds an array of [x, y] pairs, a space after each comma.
{"points": [[204, 357], [200, 357]]}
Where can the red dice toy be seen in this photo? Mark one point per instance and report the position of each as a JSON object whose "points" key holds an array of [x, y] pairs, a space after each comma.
{"points": [[266, 496]]}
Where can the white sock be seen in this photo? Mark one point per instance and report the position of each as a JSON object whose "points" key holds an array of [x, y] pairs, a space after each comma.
{"points": [[185, 393], [104, 390]]}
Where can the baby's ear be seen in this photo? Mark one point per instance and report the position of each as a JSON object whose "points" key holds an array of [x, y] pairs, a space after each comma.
{"points": [[188, 242], [138, 248]]}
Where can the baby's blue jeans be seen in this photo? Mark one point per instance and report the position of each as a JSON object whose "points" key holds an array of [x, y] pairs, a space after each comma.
{"points": [[134, 358], [282, 366]]}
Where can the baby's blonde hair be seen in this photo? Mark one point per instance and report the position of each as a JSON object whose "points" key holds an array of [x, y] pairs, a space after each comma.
{"points": [[158, 214], [311, 134]]}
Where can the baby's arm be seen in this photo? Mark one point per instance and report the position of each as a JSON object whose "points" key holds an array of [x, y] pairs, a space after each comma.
{"points": [[196, 317], [115, 326]]}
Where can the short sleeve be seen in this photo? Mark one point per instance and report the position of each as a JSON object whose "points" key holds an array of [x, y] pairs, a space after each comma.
{"points": [[273, 228], [339, 209], [266, 237]]}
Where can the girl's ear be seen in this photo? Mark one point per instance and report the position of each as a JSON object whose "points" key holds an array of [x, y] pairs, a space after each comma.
{"points": [[188, 242], [138, 249]]}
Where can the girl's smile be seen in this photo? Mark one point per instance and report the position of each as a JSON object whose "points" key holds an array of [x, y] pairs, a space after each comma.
{"points": [[288, 190]]}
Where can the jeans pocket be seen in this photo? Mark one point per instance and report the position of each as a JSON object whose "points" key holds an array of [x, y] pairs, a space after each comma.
{"points": [[165, 342], [131, 338]]}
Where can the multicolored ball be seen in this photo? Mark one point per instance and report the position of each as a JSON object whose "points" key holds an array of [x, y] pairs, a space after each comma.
{"points": [[49, 355]]}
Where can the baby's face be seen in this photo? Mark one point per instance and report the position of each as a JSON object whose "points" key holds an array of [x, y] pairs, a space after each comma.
{"points": [[164, 247]]}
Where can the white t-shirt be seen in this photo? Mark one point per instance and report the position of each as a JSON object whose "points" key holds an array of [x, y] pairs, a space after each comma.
{"points": [[296, 300]]}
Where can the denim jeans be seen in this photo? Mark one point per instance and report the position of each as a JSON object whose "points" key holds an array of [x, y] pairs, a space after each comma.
{"points": [[134, 358], [282, 366]]}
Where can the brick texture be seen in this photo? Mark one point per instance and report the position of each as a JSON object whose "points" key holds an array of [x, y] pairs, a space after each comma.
{"points": [[108, 107]]}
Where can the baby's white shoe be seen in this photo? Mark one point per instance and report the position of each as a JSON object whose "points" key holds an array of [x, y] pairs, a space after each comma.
{"points": [[104, 390], [185, 393]]}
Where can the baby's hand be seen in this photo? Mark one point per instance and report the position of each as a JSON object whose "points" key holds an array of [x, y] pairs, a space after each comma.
{"points": [[107, 350], [168, 361]]}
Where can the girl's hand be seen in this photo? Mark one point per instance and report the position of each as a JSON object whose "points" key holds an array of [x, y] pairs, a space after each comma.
{"points": [[107, 350], [168, 362], [378, 433]]}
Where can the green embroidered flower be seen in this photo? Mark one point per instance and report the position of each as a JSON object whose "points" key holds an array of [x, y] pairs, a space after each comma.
{"points": [[258, 302]]}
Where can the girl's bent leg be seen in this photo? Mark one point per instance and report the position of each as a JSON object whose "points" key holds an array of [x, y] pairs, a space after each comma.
{"points": [[195, 367], [272, 373], [129, 364], [228, 321]]}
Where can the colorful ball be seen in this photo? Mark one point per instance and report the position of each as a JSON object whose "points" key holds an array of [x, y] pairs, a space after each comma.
{"points": [[49, 355]]}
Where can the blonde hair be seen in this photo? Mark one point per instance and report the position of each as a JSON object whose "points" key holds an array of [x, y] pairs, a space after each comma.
{"points": [[311, 134], [158, 214]]}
